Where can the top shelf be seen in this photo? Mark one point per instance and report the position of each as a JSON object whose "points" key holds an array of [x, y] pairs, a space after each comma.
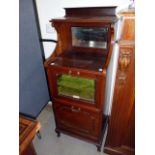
{"points": [[90, 11], [89, 14], [86, 19], [84, 38]]}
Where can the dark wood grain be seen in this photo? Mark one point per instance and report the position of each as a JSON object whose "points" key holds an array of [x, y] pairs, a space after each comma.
{"points": [[81, 118], [90, 11], [27, 130], [121, 130]]}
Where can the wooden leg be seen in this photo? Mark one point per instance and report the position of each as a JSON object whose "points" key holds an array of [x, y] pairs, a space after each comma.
{"points": [[58, 133], [39, 135], [98, 148]]}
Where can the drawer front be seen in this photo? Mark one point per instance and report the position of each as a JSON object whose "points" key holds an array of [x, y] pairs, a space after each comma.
{"points": [[77, 120]]}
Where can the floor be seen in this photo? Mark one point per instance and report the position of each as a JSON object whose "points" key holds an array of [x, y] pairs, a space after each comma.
{"points": [[50, 144]]}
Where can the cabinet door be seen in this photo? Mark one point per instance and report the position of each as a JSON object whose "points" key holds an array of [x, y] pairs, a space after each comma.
{"points": [[76, 86], [77, 120]]}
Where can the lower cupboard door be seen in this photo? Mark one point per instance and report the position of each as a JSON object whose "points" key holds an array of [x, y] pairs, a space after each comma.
{"points": [[77, 120]]}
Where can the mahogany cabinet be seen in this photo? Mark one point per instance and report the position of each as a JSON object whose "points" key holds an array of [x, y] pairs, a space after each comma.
{"points": [[121, 130], [77, 71]]}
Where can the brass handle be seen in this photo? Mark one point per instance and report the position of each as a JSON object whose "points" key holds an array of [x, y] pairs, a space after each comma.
{"points": [[75, 110], [70, 72], [78, 73]]}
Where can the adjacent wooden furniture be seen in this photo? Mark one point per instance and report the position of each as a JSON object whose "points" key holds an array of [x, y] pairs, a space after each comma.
{"points": [[27, 130], [77, 71], [121, 130]]}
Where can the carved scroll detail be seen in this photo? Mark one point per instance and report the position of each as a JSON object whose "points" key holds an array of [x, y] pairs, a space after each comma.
{"points": [[124, 62]]}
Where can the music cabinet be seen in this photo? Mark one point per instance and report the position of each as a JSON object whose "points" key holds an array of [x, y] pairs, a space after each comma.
{"points": [[77, 71]]}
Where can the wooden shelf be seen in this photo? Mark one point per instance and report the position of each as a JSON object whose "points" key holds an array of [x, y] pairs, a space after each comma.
{"points": [[81, 60]]}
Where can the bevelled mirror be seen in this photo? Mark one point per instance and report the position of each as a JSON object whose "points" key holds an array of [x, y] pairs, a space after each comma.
{"points": [[89, 37]]}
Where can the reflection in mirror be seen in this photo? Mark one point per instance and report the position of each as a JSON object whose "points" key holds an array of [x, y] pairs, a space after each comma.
{"points": [[95, 37]]}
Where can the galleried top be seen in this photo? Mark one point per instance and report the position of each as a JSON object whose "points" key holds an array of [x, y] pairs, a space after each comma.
{"points": [[84, 38], [90, 11]]}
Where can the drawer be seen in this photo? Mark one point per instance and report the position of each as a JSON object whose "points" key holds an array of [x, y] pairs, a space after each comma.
{"points": [[77, 120]]}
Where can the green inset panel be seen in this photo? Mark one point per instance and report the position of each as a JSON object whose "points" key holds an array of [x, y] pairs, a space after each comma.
{"points": [[76, 87]]}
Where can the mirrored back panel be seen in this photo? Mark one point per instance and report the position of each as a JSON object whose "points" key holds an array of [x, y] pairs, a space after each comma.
{"points": [[90, 37]]}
